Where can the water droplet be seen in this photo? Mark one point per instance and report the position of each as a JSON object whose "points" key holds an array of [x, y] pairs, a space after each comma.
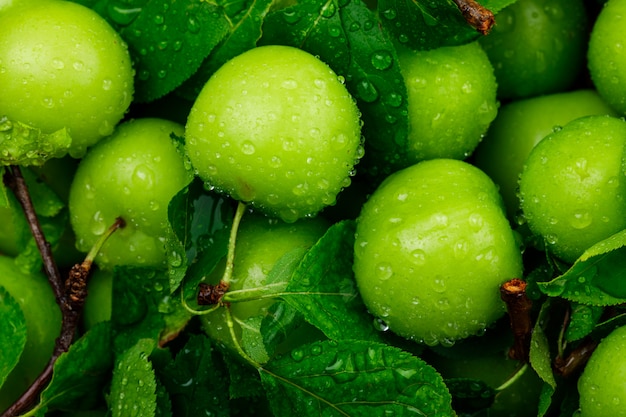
{"points": [[143, 176], [193, 25], [438, 285], [247, 148], [297, 355], [418, 256], [175, 259], [291, 16], [380, 325], [389, 14], [381, 60], [97, 225], [384, 271], [366, 91], [158, 19], [328, 10], [581, 220]]}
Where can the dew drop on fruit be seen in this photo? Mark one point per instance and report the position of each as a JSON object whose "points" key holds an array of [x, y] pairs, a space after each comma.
{"points": [[383, 271], [418, 257], [438, 285], [143, 177], [247, 148], [476, 222], [380, 325], [581, 220], [97, 224]]}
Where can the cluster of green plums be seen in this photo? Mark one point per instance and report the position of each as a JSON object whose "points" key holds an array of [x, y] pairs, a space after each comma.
{"points": [[516, 135]]}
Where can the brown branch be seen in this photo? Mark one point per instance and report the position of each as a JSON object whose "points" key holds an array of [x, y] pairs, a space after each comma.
{"points": [[70, 294], [576, 359], [513, 293], [478, 16]]}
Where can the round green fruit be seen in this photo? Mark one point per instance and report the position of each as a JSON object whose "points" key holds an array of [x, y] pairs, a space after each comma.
{"points": [[132, 174], [601, 385], [537, 46], [606, 57], [98, 304], [572, 187], [519, 126], [432, 248], [451, 100], [261, 243], [62, 65], [277, 128], [43, 325]]}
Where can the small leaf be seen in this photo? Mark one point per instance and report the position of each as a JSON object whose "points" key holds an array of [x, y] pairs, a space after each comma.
{"points": [[596, 278], [245, 19], [194, 215], [541, 361], [582, 321], [354, 378], [81, 374], [323, 289], [133, 387], [12, 333], [21, 144], [196, 381], [168, 41]]}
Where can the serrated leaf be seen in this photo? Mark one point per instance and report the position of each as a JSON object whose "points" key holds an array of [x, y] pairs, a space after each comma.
{"points": [[169, 40], [348, 37], [583, 320], [12, 333], [423, 24], [323, 289], [354, 378], [195, 380], [596, 278], [245, 382], [81, 374], [133, 386], [245, 18], [24, 145], [541, 361]]}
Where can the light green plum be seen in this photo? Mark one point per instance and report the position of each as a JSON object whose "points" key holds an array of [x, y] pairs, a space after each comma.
{"points": [[62, 65], [573, 188], [519, 126], [451, 100], [275, 127], [606, 57], [432, 248], [133, 174]]}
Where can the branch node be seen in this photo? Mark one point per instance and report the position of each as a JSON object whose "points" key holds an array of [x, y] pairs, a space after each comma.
{"points": [[478, 16]]}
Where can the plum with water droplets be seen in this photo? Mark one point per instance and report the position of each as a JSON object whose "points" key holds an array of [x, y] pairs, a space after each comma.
{"points": [[275, 127], [432, 247]]}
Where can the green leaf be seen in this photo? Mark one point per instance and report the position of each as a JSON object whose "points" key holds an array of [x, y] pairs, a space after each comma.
{"points": [[583, 320], [348, 37], [596, 278], [169, 40], [354, 378], [470, 395], [245, 18], [541, 361], [323, 289], [143, 307], [81, 374], [21, 144], [245, 382], [196, 380], [133, 387], [12, 333], [195, 215], [422, 24]]}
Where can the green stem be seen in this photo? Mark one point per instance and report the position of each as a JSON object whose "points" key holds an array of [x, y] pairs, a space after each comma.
{"points": [[231, 328], [230, 257], [517, 375], [95, 249]]}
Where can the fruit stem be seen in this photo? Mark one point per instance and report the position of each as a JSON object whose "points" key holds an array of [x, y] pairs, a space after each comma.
{"points": [[236, 344], [478, 16], [516, 375], [95, 249], [513, 293], [230, 256]]}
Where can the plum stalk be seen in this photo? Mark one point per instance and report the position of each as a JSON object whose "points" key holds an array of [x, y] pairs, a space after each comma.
{"points": [[70, 294]]}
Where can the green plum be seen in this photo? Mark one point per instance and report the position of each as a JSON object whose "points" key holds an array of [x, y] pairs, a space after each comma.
{"points": [[537, 47], [275, 127], [606, 57], [132, 174], [519, 126], [451, 100], [43, 323], [56, 70], [572, 186], [601, 385], [261, 243], [432, 248]]}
